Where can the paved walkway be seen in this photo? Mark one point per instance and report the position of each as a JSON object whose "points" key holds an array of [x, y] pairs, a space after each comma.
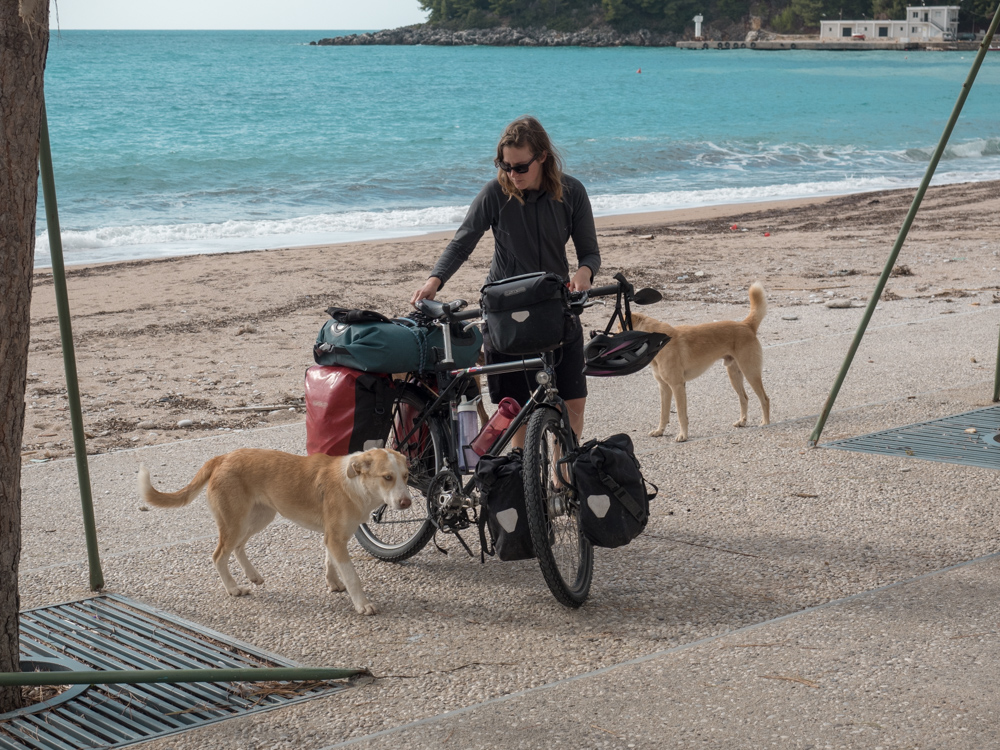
{"points": [[781, 596], [910, 665]]}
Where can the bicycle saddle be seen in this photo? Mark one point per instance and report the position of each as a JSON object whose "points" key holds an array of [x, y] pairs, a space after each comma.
{"points": [[440, 310]]}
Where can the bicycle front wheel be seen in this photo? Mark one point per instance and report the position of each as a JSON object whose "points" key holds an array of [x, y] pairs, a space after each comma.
{"points": [[564, 553], [395, 535]]}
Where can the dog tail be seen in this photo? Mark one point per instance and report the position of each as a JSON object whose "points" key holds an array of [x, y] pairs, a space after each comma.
{"points": [[758, 306], [151, 496]]}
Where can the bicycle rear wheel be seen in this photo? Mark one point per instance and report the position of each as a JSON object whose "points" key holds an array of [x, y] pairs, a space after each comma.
{"points": [[564, 553], [395, 535]]}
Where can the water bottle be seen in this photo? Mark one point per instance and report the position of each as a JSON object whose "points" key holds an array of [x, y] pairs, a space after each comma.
{"points": [[468, 426], [505, 413]]}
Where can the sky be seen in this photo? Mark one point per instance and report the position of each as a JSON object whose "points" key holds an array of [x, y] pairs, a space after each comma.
{"points": [[326, 15]]}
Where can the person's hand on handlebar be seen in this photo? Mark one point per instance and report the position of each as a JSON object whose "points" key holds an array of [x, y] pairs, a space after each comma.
{"points": [[427, 291], [582, 280]]}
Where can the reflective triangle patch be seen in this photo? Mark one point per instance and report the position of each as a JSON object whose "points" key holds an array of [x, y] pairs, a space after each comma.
{"points": [[508, 519], [600, 504]]}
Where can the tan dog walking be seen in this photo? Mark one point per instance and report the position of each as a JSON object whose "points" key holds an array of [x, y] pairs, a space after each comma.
{"points": [[694, 348], [330, 494]]}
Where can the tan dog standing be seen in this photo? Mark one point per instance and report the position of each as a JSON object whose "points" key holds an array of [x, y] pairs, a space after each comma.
{"points": [[330, 494], [693, 349]]}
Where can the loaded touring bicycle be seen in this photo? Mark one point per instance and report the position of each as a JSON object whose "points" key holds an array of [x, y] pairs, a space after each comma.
{"points": [[449, 468]]}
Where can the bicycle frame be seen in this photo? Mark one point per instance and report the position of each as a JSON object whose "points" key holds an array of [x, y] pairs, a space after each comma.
{"points": [[458, 379], [453, 380]]}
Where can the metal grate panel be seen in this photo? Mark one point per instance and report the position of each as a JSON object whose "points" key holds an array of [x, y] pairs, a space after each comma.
{"points": [[112, 632], [948, 440]]}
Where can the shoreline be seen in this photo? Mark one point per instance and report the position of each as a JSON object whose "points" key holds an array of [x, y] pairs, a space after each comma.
{"points": [[629, 216], [607, 221]]}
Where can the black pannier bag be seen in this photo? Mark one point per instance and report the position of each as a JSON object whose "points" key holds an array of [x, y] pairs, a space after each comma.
{"points": [[501, 489], [614, 500], [526, 314]]}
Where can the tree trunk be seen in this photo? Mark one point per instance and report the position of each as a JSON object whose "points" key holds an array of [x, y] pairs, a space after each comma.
{"points": [[24, 41]]}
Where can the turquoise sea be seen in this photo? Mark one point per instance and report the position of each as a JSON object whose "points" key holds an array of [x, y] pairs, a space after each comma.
{"points": [[168, 143]]}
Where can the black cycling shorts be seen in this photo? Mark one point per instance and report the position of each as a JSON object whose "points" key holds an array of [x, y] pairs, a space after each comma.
{"points": [[520, 384]]}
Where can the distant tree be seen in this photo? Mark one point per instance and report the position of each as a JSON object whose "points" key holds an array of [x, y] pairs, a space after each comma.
{"points": [[977, 15], [889, 10], [24, 41], [848, 9], [788, 16], [799, 15], [734, 10], [656, 15]]}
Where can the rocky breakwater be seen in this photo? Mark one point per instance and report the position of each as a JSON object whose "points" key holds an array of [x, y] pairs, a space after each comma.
{"points": [[505, 37]]}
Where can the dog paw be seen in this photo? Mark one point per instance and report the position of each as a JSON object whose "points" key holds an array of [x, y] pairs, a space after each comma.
{"points": [[656, 433], [765, 422], [365, 609], [336, 586], [239, 591], [681, 438], [740, 423]]}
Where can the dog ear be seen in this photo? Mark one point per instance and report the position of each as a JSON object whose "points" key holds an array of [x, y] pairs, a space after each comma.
{"points": [[357, 466]]}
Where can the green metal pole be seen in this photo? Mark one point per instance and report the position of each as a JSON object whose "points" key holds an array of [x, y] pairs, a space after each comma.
{"points": [[996, 376], [69, 354], [144, 676], [904, 230]]}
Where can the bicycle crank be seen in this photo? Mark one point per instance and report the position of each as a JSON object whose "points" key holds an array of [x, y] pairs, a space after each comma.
{"points": [[446, 502]]}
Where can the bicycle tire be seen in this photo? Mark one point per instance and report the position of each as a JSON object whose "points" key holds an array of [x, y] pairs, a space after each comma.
{"points": [[395, 536], [564, 554]]}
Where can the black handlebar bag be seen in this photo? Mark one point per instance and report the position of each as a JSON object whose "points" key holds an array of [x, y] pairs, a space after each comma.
{"points": [[526, 314]]}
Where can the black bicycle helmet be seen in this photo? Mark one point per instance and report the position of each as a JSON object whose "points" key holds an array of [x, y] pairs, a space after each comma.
{"points": [[622, 353]]}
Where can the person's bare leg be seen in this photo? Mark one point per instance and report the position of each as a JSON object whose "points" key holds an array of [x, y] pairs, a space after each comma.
{"points": [[518, 440], [576, 407]]}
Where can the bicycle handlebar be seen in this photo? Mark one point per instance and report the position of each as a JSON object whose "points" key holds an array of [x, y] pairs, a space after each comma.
{"points": [[470, 314], [457, 311], [602, 291]]}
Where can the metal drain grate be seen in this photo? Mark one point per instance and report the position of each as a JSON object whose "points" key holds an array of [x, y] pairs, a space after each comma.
{"points": [[970, 439], [112, 632]]}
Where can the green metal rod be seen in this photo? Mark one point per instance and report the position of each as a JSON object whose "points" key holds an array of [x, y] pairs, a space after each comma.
{"points": [[904, 230], [144, 676], [69, 354], [996, 376]]}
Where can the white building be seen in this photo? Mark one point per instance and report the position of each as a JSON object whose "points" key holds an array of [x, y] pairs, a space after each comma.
{"points": [[924, 23]]}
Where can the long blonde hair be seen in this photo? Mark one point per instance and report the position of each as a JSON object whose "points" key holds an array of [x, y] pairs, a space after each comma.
{"points": [[527, 131]]}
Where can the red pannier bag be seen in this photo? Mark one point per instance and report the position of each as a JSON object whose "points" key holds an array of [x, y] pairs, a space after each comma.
{"points": [[347, 410]]}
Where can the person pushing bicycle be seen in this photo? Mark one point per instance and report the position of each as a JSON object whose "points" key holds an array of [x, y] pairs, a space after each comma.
{"points": [[533, 209]]}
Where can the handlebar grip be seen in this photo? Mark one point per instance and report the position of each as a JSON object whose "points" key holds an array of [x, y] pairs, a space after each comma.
{"points": [[602, 291], [467, 314]]}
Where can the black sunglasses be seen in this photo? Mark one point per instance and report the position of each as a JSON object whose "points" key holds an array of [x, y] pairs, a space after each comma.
{"points": [[519, 168]]}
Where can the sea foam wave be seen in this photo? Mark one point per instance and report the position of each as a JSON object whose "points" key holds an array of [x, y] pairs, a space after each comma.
{"points": [[606, 205], [362, 222], [161, 240]]}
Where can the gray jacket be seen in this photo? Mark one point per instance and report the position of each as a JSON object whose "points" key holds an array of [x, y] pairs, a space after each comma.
{"points": [[527, 238]]}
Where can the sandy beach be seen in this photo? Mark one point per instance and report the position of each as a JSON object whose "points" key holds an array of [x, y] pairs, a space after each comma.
{"points": [[220, 342]]}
